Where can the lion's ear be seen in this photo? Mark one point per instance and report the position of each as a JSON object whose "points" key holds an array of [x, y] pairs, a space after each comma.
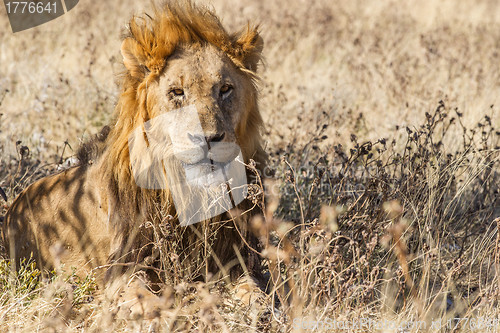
{"points": [[249, 44], [132, 54]]}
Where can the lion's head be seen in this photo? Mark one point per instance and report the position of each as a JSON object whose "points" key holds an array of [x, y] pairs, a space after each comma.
{"points": [[188, 94]]}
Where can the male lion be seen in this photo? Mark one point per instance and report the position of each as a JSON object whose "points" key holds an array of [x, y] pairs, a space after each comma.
{"points": [[107, 216]]}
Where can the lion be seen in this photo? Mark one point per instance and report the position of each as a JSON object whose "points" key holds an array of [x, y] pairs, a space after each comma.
{"points": [[116, 211]]}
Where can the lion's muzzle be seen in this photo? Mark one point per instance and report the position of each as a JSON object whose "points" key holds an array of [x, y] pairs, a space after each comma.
{"points": [[219, 152]]}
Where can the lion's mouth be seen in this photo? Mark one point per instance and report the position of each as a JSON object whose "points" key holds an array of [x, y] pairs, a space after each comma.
{"points": [[206, 173]]}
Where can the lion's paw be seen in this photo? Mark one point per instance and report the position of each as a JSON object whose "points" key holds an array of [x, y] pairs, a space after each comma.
{"points": [[138, 305]]}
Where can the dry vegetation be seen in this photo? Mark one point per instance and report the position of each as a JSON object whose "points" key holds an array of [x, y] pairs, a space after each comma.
{"points": [[383, 191]]}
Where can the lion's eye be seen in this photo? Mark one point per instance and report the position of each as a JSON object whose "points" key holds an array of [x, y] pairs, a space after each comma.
{"points": [[177, 92], [226, 90]]}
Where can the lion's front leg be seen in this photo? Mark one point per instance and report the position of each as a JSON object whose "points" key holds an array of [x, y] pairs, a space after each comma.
{"points": [[256, 303], [133, 301], [136, 301], [246, 291]]}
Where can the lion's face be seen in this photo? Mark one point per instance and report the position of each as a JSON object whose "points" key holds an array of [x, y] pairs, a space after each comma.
{"points": [[189, 107], [200, 94]]}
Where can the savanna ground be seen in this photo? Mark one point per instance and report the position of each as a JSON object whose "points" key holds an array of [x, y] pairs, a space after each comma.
{"points": [[383, 193]]}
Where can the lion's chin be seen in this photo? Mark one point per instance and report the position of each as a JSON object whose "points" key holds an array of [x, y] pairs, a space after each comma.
{"points": [[206, 174]]}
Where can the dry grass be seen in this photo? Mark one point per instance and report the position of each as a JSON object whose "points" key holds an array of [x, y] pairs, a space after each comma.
{"points": [[383, 130]]}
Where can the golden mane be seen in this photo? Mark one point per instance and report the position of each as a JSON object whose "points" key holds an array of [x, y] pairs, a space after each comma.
{"points": [[155, 38]]}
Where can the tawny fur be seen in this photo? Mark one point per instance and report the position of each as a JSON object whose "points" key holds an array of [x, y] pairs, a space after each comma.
{"points": [[97, 213]]}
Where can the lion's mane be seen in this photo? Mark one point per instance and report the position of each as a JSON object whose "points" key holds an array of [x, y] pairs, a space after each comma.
{"points": [[157, 36]]}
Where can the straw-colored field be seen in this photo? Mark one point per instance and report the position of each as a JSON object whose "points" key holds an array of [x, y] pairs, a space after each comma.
{"points": [[385, 112]]}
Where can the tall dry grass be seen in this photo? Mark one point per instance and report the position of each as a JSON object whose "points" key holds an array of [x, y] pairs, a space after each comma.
{"points": [[383, 185]]}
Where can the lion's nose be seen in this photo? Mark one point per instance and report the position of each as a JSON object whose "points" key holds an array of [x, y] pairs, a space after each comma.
{"points": [[201, 140], [215, 138]]}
